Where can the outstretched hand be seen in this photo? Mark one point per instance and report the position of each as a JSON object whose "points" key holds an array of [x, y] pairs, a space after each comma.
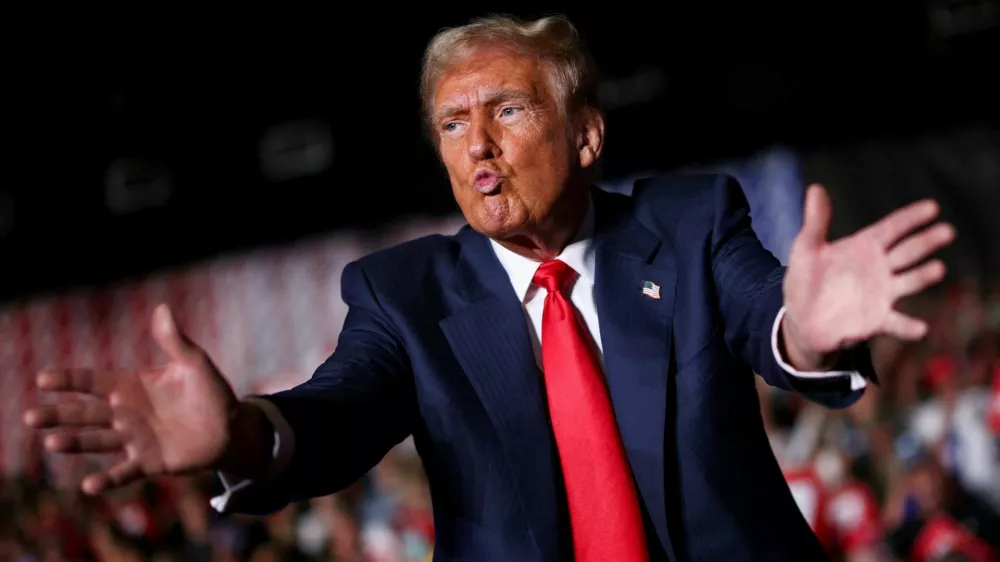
{"points": [[841, 293], [170, 419]]}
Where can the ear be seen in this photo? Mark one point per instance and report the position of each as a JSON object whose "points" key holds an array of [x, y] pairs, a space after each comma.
{"points": [[589, 136]]}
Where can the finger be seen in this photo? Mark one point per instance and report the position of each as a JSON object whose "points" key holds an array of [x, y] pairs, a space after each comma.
{"points": [[816, 216], [898, 223], [81, 413], [917, 247], [919, 278], [89, 441], [904, 327], [127, 421], [171, 338], [121, 474], [86, 381]]}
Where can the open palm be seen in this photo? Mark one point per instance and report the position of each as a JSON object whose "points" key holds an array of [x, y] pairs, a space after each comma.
{"points": [[841, 293], [169, 419]]}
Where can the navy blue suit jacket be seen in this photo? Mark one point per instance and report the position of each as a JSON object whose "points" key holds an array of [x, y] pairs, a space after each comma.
{"points": [[436, 345]]}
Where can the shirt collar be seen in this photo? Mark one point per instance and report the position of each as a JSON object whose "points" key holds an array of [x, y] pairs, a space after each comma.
{"points": [[579, 255]]}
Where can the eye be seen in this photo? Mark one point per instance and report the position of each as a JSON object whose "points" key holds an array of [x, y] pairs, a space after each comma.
{"points": [[451, 127], [509, 111]]}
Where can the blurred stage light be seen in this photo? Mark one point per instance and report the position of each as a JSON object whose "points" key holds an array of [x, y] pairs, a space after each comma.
{"points": [[132, 185], [963, 17], [643, 86], [296, 149]]}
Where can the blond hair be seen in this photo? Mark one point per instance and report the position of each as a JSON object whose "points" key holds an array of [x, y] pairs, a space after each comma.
{"points": [[553, 40]]}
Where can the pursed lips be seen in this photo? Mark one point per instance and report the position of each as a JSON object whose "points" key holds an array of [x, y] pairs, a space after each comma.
{"points": [[486, 181]]}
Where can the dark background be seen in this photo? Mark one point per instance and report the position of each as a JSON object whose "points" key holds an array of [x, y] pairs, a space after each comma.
{"points": [[188, 103]]}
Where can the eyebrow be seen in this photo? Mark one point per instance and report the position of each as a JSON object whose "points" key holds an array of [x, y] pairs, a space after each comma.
{"points": [[491, 98]]}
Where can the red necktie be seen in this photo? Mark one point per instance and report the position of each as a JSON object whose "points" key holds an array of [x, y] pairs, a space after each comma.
{"points": [[603, 504]]}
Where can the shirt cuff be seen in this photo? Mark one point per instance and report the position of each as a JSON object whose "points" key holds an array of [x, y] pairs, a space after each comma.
{"points": [[857, 380], [281, 455]]}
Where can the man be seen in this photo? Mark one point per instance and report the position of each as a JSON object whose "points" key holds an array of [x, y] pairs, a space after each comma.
{"points": [[576, 367]]}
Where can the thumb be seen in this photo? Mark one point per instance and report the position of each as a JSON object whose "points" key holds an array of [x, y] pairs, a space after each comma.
{"points": [[169, 336], [816, 217]]}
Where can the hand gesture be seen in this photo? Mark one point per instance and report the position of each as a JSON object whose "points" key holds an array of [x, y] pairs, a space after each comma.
{"points": [[842, 293], [170, 419]]}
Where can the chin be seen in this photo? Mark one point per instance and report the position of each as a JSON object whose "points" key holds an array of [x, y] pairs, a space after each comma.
{"points": [[492, 230], [498, 221]]}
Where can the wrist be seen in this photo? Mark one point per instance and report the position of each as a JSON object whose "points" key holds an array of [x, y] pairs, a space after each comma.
{"points": [[799, 356], [248, 452]]}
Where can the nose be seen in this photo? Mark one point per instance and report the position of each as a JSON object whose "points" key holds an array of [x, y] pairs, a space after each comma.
{"points": [[481, 141]]}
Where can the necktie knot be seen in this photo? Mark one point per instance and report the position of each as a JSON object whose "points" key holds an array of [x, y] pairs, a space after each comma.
{"points": [[555, 276]]}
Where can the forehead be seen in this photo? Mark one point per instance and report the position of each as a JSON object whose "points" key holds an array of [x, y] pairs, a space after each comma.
{"points": [[487, 71]]}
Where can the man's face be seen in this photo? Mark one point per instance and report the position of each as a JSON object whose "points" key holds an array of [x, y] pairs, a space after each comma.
{"points": [[507, 147]]}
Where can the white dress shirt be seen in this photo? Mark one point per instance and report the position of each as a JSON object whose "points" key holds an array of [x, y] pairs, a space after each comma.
{"points": [[579, 255]]}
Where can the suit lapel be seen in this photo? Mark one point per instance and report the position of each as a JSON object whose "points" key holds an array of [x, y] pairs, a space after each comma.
{"points": [[489, 337], [636, 336]]}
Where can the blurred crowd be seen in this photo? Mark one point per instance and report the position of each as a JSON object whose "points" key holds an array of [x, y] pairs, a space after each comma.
{"points": [[386, 517], [911, 473]]}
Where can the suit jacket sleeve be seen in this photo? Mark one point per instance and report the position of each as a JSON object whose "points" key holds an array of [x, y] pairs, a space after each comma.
{"points": [[748, 282], [357, 405]]}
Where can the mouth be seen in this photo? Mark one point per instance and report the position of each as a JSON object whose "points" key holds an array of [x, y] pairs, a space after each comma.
{"points": [[486, 181]]}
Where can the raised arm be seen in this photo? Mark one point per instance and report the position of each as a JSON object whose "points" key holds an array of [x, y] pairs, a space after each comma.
{"points": [[183, 416], [806, 329], [357, 405]]}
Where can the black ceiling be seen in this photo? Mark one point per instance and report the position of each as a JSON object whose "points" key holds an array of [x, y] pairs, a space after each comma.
{"points": [[190, 102]]}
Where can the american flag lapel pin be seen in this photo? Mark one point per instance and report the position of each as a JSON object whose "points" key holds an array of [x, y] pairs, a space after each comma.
{"points": [[651, 290]]}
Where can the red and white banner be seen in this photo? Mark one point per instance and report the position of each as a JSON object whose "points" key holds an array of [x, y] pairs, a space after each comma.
{"points": [[267, 319]]}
